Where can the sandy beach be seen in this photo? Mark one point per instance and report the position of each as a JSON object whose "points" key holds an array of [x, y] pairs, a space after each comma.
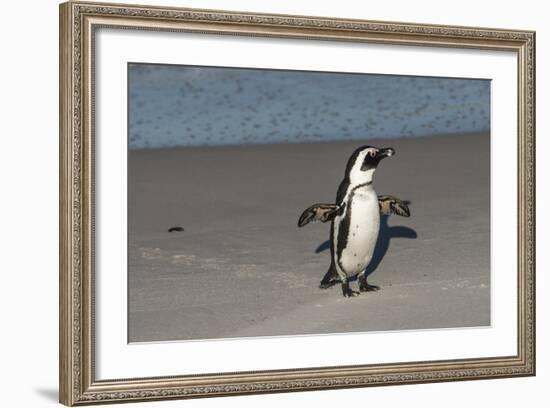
{"points": [[241, 267]]}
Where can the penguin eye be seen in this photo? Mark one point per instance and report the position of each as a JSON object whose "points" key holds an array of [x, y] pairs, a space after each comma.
{"points": [[372, 153]]}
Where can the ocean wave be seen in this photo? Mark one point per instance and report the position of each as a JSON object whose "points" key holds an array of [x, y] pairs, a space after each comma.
{"points": [[196, 106]]}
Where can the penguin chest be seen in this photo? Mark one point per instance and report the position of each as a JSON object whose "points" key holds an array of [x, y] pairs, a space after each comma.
{"points": [[361, 225]]}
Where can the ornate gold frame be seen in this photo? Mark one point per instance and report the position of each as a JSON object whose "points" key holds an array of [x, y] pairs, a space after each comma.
{"points": [[77, 24]]}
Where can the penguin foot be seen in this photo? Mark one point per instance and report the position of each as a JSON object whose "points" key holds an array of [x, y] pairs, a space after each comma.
{"points": [[352, 293], [328, 284], [365, 287], [347, 291]]}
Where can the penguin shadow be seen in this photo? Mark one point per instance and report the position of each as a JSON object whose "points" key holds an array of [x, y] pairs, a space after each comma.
{"points": [[386, 234]]}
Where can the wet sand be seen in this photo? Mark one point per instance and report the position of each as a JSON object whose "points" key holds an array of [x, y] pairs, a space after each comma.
{"points": [[241, 267]]}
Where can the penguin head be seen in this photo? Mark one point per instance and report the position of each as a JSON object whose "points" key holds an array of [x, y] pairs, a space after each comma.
{"points": [[364, 161]]}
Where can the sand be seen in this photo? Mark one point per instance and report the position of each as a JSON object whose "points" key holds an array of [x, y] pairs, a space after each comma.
{"points": [[241, 267]]}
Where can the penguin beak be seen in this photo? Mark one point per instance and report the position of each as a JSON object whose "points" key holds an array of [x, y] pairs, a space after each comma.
{"points": [[385, 152]]}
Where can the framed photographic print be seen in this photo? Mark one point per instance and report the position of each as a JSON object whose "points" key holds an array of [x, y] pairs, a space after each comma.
{"points": [[258, 203]]}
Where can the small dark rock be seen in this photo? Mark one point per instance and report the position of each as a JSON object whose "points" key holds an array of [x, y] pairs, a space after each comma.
{"points": [[176, 229]]}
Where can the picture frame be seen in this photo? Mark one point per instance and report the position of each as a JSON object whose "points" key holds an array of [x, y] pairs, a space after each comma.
{"points": [[79, 24]]}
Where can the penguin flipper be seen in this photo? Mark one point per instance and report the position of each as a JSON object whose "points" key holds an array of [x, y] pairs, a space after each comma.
{"points": [[318, 212], [392, 205]]}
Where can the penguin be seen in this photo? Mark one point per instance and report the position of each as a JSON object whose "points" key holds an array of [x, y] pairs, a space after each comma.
{"points": [[355, 220]]}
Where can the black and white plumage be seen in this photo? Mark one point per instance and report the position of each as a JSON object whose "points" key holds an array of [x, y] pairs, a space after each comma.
{"points": [[355, 219], [326, 212]]}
